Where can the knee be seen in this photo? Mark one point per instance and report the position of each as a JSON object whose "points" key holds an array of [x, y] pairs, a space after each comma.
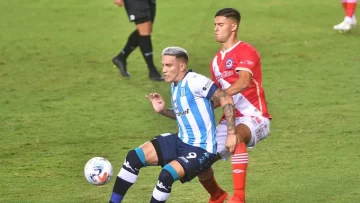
{"points": [[168, 173], [206, 175], [243, 133], [136, 157], [145, 28]]}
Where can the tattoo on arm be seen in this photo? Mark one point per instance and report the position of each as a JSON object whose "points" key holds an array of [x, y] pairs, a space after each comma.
{"points": [[229, 112], [218, 95], [226, 102]]}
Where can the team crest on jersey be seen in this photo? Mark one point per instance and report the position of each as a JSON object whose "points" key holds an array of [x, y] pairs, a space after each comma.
{"points": [[229, 63], [182, 91]]}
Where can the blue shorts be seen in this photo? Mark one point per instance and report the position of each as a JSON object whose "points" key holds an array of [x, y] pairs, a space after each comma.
{"points": [[193, 159]]}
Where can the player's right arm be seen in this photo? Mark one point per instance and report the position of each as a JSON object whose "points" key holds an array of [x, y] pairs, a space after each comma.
{"points": [[168, 113], [158, 104]]}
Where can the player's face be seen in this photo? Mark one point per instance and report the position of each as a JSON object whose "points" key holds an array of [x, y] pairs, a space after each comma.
{"points": [[172, 68], [224, 27]]}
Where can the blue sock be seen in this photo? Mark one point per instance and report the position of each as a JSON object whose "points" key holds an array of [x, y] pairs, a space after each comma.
{"points": [[162, 190], [128, 174]]}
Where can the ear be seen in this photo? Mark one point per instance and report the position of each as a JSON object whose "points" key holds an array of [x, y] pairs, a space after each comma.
{"points": [[182, 66], [234, 27]]}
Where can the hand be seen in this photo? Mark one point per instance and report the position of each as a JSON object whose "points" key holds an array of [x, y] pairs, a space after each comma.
{"points": [[231, 142], [157, 102], [119, 2], [216, 104]]}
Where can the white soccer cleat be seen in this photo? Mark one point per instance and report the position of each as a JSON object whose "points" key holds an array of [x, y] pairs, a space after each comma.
{"points": [[354, 21], [343, 27]]}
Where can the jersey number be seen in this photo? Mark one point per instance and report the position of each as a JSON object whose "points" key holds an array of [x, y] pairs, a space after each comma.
{"points": [[191, 155]]}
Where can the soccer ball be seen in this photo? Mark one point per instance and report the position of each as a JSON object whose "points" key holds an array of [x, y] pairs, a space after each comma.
{"points": [[98, 171]]}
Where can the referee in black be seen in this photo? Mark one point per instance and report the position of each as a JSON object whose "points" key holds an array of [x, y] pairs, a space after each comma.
{"points": [[142, 12]]}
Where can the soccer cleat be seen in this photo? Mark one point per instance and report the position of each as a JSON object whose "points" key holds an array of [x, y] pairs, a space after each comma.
{"points": [[121, 65], [343, 27], [221, 199], [155, 76], [354, 21], [233, 199]]}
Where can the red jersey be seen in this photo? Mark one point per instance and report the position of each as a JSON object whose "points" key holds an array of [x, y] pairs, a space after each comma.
{"points": [[224, 69]]}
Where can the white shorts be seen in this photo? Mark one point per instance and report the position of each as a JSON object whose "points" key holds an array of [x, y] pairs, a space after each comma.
{"points": [[259, 127]]}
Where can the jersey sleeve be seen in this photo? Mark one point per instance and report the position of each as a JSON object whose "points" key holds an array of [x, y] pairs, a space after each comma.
{"points": [[202, 86], [248, 61]]}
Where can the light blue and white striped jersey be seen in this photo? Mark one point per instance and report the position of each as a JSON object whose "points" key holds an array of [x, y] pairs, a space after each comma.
{"points": [[191, 102]]}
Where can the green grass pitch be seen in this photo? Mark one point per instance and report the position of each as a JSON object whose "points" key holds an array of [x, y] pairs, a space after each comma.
{"points": [[62, 102]]}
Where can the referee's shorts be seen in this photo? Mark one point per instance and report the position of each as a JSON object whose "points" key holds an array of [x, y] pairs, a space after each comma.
{"points": [[140, 11]]}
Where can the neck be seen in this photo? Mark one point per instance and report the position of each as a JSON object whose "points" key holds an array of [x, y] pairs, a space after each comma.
{"points": [[179, 78], [229, 43]]}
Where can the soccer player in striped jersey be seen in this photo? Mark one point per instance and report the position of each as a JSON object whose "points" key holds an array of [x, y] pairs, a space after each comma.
{"points": [[236, 68], [192, 150]]}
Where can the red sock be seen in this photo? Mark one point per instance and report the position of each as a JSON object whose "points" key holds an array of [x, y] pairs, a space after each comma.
{"points": [[344, 4], [207, 180], [239, 162], [350, 9]]}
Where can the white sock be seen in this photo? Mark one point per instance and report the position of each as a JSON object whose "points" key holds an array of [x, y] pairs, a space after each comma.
{"points": [[348, 20]]}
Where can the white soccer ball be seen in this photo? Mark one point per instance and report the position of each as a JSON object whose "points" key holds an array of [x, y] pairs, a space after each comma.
{"points": [[98, 171]]}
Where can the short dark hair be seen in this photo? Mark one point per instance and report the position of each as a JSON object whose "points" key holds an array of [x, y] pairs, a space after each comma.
{"points": [[229, 13], [178, 52]]}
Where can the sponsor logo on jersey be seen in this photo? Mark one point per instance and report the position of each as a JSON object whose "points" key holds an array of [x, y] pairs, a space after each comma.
{"points": [[248, 62], [183, 112], [225, 74], [207, 85]]}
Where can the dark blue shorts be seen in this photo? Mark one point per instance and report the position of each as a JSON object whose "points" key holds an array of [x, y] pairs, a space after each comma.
{"points": [[194, 160]]}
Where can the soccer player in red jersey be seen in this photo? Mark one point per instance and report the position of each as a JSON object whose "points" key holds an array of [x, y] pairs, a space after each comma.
{"points": [[236, 68], [349, 20]]}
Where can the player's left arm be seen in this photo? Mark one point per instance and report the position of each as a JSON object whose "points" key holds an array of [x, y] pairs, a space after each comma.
{"points": [[245, 68], [204, 87], [241, 84], [227, 103]]}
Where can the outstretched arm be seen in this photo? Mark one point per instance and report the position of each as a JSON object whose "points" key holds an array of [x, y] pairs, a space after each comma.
{"points": [[158, 104], [168, 113], [227, 104]]}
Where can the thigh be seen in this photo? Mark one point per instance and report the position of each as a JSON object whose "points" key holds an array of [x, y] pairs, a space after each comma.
{"points": [[259, 128], [194, 160], [151, 158], [137, 9], [166, 147], [221, 135]]}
